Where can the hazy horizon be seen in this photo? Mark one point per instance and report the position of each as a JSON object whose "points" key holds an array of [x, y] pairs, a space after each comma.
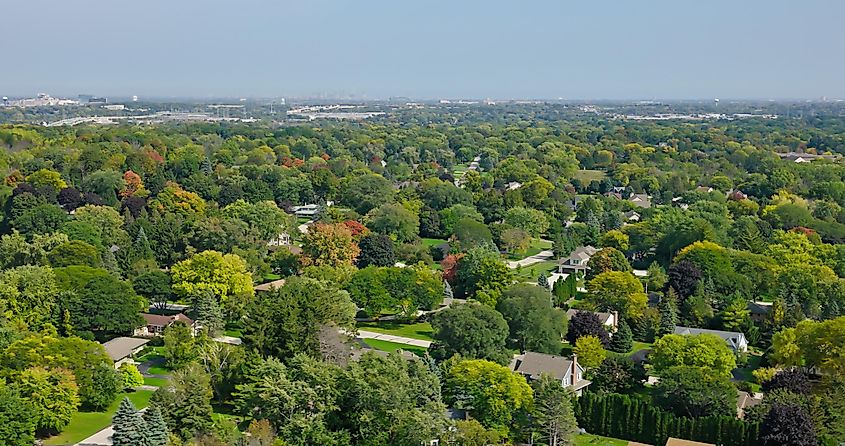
{"points": [[663, 50]]}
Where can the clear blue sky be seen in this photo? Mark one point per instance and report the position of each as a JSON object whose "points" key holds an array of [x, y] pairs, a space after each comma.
{"points": [[590, 49]]}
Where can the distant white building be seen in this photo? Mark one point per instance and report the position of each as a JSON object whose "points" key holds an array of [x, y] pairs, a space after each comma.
{"points": [[736, 341], [308, 210]]}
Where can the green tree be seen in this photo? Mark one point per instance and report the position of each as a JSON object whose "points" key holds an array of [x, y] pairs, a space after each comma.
{"points": [[472, 331], [28, 295], [224, 275], [105, 305], [704, 350], [286, 321], [130, 429], [450, 216], [617, 374], [366, 192], [156, 427], [376, 250], [590, 351], [607, 259], [617, 291], [623, 340], [185, 402], [106, 222], [483, 275], [491, 393], [53, 395], [668, 308], [534, 324], [180, 346], [329, 245], [130, 375], [17, 418], [531, 220], [553, 414], [395, 221], [208, 313], [615, 239], [691, 391], [155, 287], [74, 252]]}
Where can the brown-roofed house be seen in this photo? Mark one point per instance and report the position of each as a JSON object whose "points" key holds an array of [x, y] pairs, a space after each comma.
{"points": [[678, 442], [745, 400], [154, 324], [567, 371]]}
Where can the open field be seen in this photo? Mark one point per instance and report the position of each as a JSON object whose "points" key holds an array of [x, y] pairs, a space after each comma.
{"points": [[589, 175], [596, 440], [387, 346]]}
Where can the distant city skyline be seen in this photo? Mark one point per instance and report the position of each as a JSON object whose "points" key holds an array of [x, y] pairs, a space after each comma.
{"points": [[368, 49]]}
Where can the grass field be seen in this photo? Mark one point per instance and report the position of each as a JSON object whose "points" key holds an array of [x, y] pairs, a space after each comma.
{"points": [[157, 382], [532, 272], [387, 346], [596, 440], [85, 424], [744, 373], [414, 331], [428, 242], [589, 175], [535, 247]]}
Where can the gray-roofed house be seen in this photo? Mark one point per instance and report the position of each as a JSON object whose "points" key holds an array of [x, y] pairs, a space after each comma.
{"points": [[641, 200], [567, 371], [759, 311], [745, 400], [577, 260], [611, 320], [632, 216], [120, 350], [269, 286], [736, 341]]}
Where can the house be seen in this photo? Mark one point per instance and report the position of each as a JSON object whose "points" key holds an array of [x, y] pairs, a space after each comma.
{"points": [[611, 320], [759, 311], [121, 349], [632, 216], [641, 200], [283, 239], [736, 341], [745, 400], [269, 286], [704, 189], [567, 371], [154, 324], [513, 185], [308, 210], [737, 195], [577, 260]]}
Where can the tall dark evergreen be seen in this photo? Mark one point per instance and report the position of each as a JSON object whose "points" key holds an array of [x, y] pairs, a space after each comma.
{"points": [[208, 313], [623, 340], [130, 429], [376, 250], [543, 280], [668, 312], [156, 427]]}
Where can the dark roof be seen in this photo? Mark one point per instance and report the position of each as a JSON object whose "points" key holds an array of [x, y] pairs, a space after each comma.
{"points": [[163, 321], [534, 364], [755, 308], [119, 348]]}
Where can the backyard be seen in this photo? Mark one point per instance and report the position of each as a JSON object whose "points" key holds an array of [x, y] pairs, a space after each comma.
{"points": [[85, 424], [596, 440], [534, 248], [532, 272], [419, 330], [387, 346]]}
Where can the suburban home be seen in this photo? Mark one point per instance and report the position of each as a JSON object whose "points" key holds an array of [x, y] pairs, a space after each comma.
{"points": [[308, 210], [577, 260], [632, 216], [736, 341], [513, 185], [154, 324], [641, 200], [611, 320], [282, 239], [745, 400], [121, 349], [705, 189], [759, 311], [567, 371], [269, 286]]}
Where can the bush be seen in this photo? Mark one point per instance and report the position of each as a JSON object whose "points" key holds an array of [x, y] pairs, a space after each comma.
{"points": [[130, 375]]}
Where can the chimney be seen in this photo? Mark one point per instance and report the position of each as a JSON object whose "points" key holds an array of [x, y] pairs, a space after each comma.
{"points": [[615, 319], [574, 369]]}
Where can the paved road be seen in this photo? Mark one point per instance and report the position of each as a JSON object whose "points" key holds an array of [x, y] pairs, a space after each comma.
{"points": [[398, 339], [530, 260]]}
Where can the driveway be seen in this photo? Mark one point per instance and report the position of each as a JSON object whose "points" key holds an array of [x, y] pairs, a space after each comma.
{"points": [[541, 256]]}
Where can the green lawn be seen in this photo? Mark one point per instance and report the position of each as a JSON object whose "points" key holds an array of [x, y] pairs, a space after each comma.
{"points": [[589, 175], [428, 242], [590, 439], [639, 346], [532, 272], [744, 373], [387, 346], [157, 382], [415, 331], [85, 424], [535, 247]]}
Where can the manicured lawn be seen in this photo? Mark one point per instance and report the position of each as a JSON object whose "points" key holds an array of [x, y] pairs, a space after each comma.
{"points": [[387, 346], [233, 330], [158, 382], [532, 272], [534, 248], [427, 242], [589, 175], [639, 346], [159, 370], [590, 439], [415, 331], [85, 424], [744, 373]]}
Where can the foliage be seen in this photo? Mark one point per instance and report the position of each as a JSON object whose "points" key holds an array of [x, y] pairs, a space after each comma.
{"points": [[590, 351], [623, 340], [472, 331], [695, 392], [534, 324], [329, 245], [17, 418], [607, 259], [376, 250], [617, 291], [52, 394], [704, 350], [483, 275], [179, 345], [787, 425], [130, 429], [617, 375], [553, 414], [224, 275], [185, 402], [130, 375], [586, 323], [396, 221], [28, 295]]}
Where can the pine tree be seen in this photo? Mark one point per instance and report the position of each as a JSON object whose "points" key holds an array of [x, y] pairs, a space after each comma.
{"points": [[543, 280], [623, 340], [156, 428], [668, 312], [206, 166], [129, 426], [447, 290], [110, 262], [208, 313], [141, 249]]}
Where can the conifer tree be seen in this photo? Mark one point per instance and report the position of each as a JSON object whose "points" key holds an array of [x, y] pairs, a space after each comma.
{"points": [[129, 426], [623, 340], [156, 428], [543, 280], [110, 262], [447, 290], [668, 312], [209, 315], [141, 248]]}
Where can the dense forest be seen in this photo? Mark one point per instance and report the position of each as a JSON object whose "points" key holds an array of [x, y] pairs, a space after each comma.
{"points": [[448, 228]]}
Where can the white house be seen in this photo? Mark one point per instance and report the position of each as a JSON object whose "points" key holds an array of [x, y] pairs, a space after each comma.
{"points": [[736, 341], [567, 371], [307, 210], [577, 261], [611, 320]]}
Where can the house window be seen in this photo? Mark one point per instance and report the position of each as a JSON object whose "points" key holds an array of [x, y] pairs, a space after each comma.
{"points": [[566, 381]]}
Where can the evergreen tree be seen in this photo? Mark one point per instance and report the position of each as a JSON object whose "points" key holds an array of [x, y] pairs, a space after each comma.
{"points": [[110, 262], [447, 290], [129, 426], [623, 340], [141, 248], [543, 280], [208, 313], [156, 428], [668, 312]]}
